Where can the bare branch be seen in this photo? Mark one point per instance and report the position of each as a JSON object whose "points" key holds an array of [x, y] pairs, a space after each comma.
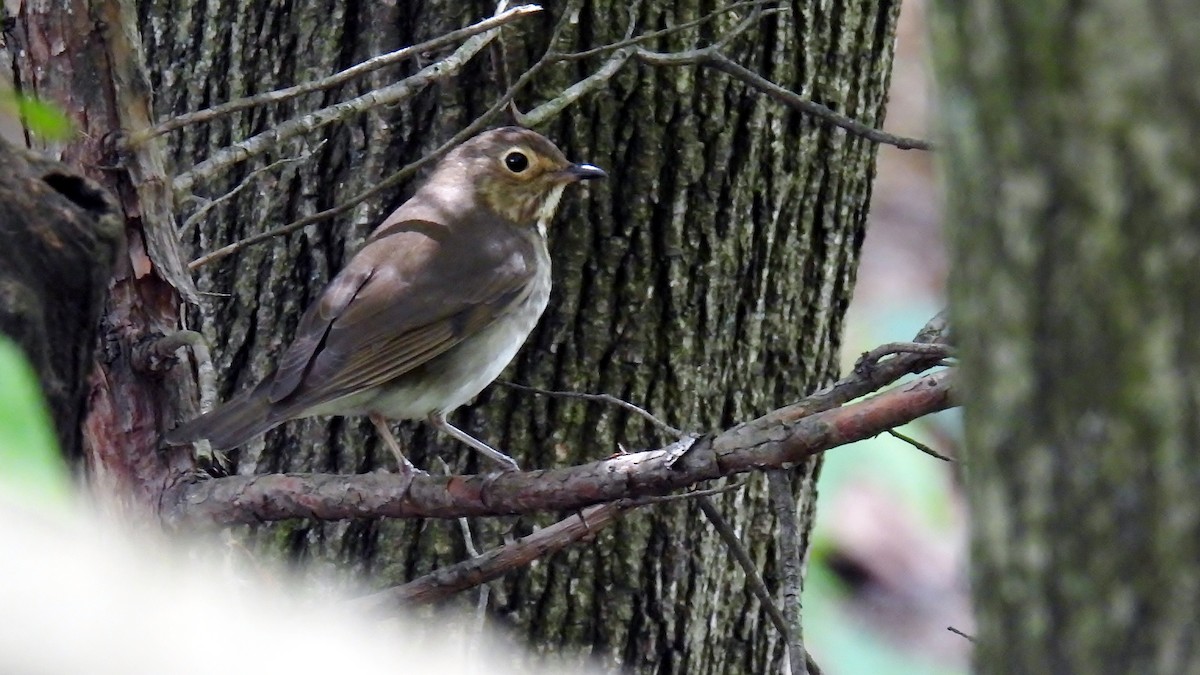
{"points": [[872, 358], [683, 496], [495, 563], [956, 631], [783, 503], [372, 64], [553, 107], [482, 568], [771, 441], [389, 95], [601, 398]]}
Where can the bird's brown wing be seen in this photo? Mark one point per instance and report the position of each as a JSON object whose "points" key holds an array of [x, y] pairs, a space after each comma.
{"points": [[402, 300]]}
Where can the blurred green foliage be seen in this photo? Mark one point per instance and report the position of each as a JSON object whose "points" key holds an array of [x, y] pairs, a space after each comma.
{"points": [[919, 486], [31, 467], [43, 119]]}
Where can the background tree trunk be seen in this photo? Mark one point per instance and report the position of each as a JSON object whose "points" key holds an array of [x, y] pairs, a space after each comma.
{"points": [[1072, 182], [705, 280]]}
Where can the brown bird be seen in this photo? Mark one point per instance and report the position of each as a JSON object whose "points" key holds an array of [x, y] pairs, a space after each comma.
{"points": [[432, 308]]}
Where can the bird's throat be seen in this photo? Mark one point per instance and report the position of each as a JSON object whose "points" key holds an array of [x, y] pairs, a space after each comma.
{"points": [[545, 213]]}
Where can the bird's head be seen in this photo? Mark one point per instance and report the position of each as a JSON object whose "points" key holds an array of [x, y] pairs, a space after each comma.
{"points": [[519, 174]]}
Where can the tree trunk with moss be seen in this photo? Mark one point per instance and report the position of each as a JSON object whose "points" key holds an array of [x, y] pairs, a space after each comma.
{"points": [[1072, 182], [705, 280]]}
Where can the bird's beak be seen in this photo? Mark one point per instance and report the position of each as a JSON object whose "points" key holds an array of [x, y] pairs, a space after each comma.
{"points": [[577, 172]]}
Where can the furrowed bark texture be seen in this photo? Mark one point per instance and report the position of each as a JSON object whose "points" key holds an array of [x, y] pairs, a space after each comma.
{"points": [[706, 279], [1072, 184]]}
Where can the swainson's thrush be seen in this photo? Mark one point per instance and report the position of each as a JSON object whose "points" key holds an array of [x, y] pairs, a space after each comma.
{"points": [[434, 306]]}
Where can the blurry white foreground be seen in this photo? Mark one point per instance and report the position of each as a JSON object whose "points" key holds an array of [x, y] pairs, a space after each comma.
{"points": [[78, 595]]}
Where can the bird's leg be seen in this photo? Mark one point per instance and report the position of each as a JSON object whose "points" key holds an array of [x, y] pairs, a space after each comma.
{"points": [[381, 425], [438, 420]]}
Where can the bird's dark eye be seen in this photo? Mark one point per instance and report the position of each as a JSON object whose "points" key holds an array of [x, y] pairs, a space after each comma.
{"points": [[516, 162]]}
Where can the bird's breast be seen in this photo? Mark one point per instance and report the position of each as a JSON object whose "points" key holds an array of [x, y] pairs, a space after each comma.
{"points": [[457, 376]]}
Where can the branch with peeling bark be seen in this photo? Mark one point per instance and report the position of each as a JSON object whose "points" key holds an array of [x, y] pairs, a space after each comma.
{"points": [[777, 440]]}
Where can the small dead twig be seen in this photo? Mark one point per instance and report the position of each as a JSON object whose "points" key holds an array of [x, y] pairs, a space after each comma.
{"points": [[601, 398], [753, 579], [694, 494], [783, 502], [920, 446], [209, 205], [493, 564], [956, 631], [613, 65], [631, 41]]}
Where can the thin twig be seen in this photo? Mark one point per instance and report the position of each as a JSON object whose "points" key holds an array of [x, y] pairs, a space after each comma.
{"points": [[646, 37], [753, 579], [714, 59], [209, 205], [493, 564], [613, 65], [783, 502], [920, 446], [375, 63], [956, 631], [872, 358], [601, 398], [571, 94], [206, 376], [684, 496]]}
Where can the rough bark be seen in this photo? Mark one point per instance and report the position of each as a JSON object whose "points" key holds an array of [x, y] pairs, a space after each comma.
{"points": [[1071, 178], [59, 235], [706, 280]]}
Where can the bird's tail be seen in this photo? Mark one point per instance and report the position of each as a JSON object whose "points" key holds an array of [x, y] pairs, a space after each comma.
{"points": [[230, 424]]}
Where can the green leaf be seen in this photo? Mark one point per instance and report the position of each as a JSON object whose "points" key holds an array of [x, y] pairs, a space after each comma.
{"points": [[31, 466], [44, 119]]}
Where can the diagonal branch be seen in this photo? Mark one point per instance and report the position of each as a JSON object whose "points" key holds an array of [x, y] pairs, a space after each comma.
{"points": [[757, 586], [389, 95], [712, 58], [339, 78], [775, 440], [446, 581]]}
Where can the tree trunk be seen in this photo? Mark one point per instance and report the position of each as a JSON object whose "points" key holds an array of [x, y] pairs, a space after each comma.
{"points": [[59, 234], [1072, 182], [705, 280]]}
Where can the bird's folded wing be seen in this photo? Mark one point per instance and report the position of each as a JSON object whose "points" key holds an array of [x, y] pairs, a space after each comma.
{"points": [[403, 300]]}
